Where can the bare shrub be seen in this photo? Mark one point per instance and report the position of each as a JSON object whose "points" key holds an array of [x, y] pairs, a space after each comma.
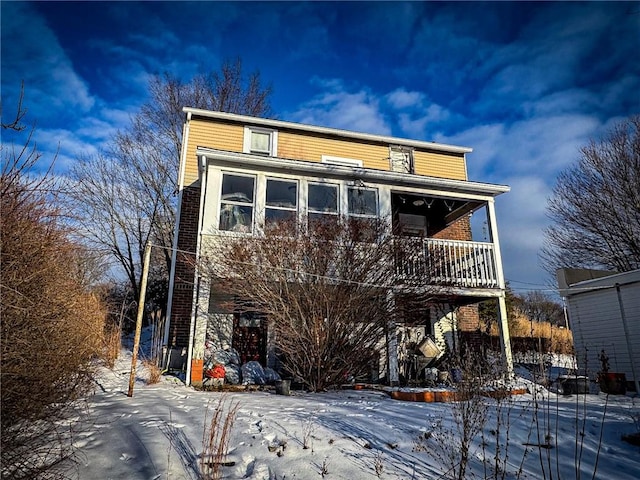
{"points": [[52, 325], [154, 372], [451, 445], [378, 464], [215, 438], [111, 344], [325, 293]]}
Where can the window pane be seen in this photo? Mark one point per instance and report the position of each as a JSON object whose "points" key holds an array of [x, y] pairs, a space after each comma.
{"points": [[236, 218], [323, 198], [281, 193], [322, 221], [273, 215], [260, 142], [237, 189], [363, 202], [280, 221]]}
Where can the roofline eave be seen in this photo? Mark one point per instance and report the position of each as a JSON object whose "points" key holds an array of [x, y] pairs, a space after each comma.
{"points": [[394, 179]]}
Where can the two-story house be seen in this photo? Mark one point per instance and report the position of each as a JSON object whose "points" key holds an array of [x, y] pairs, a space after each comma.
{"points": [[232, 167]]}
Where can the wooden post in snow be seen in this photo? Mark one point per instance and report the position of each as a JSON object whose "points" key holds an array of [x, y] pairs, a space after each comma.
{"points": [[136, 338]]}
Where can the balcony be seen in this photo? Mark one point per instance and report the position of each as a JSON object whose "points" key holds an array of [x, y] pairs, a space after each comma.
{"points": [[452, 263]]}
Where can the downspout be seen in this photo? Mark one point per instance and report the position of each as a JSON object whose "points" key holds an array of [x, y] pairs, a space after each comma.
{"points": [[623, 316]]}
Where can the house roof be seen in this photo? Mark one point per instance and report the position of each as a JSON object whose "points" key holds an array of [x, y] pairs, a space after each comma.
{"points": [[600, 283], [464, 187], [279, 124]]}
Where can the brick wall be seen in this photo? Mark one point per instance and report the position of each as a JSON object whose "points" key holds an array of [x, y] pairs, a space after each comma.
{"points": [[182, 300], [468, 317], [458, 230]]}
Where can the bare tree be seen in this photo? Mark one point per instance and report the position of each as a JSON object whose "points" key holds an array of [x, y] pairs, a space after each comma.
{"points": [[325, 293], [52, 324], [595, 206], [539, 307], [125, 196]]}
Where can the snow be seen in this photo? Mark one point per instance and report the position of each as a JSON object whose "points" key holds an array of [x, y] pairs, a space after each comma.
{"points": [[350, 434]]}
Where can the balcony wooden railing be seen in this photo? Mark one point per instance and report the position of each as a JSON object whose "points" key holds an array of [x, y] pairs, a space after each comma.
{"points": [[453, 263]]}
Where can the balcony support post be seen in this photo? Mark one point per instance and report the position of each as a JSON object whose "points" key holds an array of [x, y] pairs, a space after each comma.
{"points": [[392, 344], [503, 325]]}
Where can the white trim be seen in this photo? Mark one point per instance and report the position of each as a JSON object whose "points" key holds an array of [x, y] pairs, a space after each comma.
{"points": [[446, 186], [363, 215], [343, 162], [279, 124], [273, 141]]}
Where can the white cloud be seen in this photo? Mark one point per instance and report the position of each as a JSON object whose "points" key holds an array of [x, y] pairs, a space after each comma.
{"points": [[65, 146], [401, 98], [338, 108], [36, 57], [521, 222], [542, 145]]}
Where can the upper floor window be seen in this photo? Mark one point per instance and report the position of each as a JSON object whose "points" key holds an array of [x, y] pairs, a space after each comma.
{"points": [[401, 159], [323, 202], [281, 202], [362, 208], [237, 203], [362, 202], [260, 141]]}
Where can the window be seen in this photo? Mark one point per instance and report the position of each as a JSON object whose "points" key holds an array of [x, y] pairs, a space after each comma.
{"points": [[362, 206], [323, 202], [401, 159], [260, 141], [281, 203], [237, 203], [362, 202]]}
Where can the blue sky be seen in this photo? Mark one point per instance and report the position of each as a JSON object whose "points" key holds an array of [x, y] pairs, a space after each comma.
{"points": [[524, 84]]}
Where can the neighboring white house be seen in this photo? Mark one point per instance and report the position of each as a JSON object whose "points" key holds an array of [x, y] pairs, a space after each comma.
{"points": [[604, 314]]}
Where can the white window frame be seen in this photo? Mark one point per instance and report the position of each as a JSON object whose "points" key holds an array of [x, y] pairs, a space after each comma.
{"points": [[363, 215], [273, 141], [310, 211], [224, 202], [293, 210]]}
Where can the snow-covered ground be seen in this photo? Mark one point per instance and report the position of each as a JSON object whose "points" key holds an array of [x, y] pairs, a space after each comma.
{"points": [[349, 434]]}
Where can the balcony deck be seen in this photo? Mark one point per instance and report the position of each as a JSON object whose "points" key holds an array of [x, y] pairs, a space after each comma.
{"points": [[451, 263]]}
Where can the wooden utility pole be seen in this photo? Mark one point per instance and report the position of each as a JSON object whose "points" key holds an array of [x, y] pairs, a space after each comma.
{"points": [[136, 338]]}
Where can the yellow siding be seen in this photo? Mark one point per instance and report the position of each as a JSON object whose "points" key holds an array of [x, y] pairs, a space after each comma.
{"points": [[221, 136], [311, 147], [436, 164]]}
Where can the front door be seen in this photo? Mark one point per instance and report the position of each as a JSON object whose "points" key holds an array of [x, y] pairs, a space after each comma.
{"points": [[250, 337]]}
